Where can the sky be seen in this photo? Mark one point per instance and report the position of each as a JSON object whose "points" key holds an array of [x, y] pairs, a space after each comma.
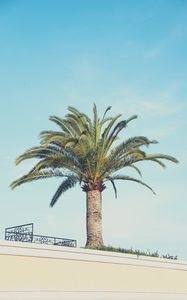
{"points": [[127, 54]]}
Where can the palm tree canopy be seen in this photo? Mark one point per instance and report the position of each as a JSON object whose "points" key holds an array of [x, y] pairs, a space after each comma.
{"points": [[87, 151]]}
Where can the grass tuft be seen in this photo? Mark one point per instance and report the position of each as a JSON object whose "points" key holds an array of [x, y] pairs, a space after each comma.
{"points": [[131, 251]]}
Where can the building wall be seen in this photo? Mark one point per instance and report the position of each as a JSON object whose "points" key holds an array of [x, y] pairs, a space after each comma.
{"points": [[31, 271]]}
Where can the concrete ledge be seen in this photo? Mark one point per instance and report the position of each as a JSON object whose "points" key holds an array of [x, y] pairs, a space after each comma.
{"points": [[33, 271], [89, 295], [68, 253]]}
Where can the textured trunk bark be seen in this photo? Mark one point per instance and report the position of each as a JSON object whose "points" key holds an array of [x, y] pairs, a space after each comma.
{"points": [[94, 218]]}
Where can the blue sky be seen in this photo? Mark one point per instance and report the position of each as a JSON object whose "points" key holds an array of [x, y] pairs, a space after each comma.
{"points": [[127, 54]]}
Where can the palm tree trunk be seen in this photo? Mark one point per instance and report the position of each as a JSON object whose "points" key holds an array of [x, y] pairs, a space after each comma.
{"points": [[94, 218]]}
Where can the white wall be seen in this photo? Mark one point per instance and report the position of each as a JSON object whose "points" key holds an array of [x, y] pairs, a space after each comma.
{"points": [[31, 271]]}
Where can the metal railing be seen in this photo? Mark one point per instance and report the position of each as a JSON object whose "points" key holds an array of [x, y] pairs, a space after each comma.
{"points": [[24, 233]]}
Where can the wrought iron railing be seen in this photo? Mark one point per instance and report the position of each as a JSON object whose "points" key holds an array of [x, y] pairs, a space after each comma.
{"points": [[24, 233]]}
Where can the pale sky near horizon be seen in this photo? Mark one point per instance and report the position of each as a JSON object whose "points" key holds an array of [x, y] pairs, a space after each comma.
{"points": [[127, 54]]}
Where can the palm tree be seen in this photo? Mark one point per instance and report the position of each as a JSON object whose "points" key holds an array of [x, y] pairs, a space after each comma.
{"points": [[86, 152]]}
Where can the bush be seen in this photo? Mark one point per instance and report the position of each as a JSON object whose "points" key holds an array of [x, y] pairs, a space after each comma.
{"points": [[132, 251]]}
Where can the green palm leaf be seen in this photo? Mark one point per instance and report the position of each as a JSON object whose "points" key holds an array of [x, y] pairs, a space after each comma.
{"points": [[67, 184], [35, 175], [123, 177], [162, 156]]}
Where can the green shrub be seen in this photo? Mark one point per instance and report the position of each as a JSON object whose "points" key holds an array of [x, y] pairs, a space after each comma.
{"points": [[132, 251]]}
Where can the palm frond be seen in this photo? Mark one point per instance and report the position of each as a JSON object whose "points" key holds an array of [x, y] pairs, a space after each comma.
{"points": [[109, 127], [81, 117], [35, 152], [131, 118], [76, 122], [130, 144], [114, 186], [124, 177], [75, 111], [157, 161], [162, 156], [60, 122], [96, 126], [135, 168], [103, 118], [67, 184], [35, 175], [117, 129], [48, 138]]}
